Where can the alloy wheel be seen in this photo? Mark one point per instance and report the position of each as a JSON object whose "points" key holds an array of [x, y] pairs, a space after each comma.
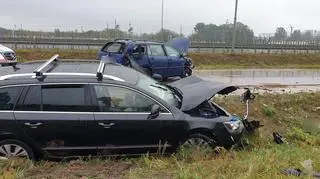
{"points": [[196, 142], [12, 150]]}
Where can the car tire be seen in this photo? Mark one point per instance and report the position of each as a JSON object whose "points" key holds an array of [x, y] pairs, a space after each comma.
{"points": [[18, 149], [165, 79], [199, 140], [147, 71], [187, 72]]}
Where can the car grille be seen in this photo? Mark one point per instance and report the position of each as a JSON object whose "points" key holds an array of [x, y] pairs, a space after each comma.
{"points": [[10, 56]]}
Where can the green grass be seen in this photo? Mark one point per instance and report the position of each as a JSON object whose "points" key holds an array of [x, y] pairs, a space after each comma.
{"points": [[205, 60], [295, 116]]}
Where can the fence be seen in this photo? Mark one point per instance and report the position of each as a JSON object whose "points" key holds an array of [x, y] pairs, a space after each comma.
{"points": [[85, 44]]}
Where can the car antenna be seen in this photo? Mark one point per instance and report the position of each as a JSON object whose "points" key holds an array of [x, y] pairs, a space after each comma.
{"points": [[39, 71]]}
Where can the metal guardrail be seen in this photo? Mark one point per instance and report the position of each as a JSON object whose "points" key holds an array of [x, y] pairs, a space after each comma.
{"points": [[98, 43]]}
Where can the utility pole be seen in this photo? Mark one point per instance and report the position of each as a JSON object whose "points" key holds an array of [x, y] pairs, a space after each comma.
{"points": [[162, 33], [107, 31], [115, 29], [181, 30], [234, 26], [291, 32], [14, 31]]}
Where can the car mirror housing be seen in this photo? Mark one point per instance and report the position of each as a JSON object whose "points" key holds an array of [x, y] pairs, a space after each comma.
{"points": [[155, 112], [157, 77]]}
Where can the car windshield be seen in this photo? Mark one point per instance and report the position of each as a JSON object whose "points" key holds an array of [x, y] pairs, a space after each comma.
{"points": [[159, 90]]}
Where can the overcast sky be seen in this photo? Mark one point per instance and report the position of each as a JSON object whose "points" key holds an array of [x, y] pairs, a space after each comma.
{"points": [[263, 16]]}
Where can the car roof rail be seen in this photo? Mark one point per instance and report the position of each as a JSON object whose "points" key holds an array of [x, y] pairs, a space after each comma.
{"points": [[40, 70], [100, 70], [105, 60], [124, 39]]}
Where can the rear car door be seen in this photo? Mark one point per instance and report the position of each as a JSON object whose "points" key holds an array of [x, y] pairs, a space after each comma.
{"points": [[122, 118], [176, 62], [57, 118], [158, 59], [8, 127], [114, 50]]}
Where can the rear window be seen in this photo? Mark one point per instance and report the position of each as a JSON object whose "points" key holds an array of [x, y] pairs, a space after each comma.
{"points": [[114, 48], [8, 97], [63, 98], [32, 101]]}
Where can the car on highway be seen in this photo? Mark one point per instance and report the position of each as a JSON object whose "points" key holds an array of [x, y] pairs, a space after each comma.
{"points": [[59, 109], [7, 56], [165, 59]]}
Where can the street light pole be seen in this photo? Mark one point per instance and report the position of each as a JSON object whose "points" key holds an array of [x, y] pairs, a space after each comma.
{"points": [[234, 26], [162, 35]]}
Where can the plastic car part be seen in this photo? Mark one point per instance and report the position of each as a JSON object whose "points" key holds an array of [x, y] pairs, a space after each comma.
{"points": [[250, 126], [277, 138]]}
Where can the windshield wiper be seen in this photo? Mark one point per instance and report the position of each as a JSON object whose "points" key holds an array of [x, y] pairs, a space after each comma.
{"points": [[175, 90], [160, 87], [177, 94]]}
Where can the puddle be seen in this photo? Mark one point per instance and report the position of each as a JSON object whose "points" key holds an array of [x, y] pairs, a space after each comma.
{"points": [[273, 77], [268, 80]]}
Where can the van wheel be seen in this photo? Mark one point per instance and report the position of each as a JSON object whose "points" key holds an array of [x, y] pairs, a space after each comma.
{"points": [[14, 148]]}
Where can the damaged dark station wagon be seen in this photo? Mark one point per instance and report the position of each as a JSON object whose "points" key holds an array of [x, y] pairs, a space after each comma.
{"points": [[79, 108]]}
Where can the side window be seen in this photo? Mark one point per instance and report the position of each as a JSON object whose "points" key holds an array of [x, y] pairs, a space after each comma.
{"points": [[149, 50], [31, 101], [64, 98], [172, 52], [117, 99], [139, 50], [114, 48], [8, 97], [157, 50]]}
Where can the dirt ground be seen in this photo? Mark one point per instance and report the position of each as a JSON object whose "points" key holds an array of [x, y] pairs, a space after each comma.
{"points": [[80, 169]]}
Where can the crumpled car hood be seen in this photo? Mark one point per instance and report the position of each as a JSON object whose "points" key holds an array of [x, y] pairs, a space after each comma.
{"points": [[181, 44], [196, 90]]}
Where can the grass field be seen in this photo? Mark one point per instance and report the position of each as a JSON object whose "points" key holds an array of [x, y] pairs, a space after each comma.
{"points": [[201, 60], [296, 116]]}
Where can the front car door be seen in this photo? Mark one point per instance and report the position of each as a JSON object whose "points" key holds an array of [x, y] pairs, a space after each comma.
{"points": [[140, 55], [122, 120], [176, 62], [114, 50], [57, 118], [158, 60]]}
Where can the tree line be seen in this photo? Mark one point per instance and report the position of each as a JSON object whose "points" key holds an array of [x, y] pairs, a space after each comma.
{"points": [[201, 32]]}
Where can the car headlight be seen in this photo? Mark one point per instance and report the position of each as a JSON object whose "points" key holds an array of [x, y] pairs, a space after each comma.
{"points": [[233, 125]]}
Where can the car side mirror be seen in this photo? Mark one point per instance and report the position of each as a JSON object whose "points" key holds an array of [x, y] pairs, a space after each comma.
{"points": [[183, 55], [157, 77], [155, 112]]}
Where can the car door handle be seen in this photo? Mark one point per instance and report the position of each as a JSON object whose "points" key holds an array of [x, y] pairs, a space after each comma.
{"points": [[33, 125], [106, 125]]}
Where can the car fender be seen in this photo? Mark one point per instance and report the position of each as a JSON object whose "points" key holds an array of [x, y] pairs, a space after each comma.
{"points": [[9, 135]]}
